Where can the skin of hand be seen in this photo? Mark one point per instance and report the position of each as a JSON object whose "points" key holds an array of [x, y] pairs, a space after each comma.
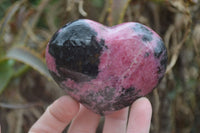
{"points": [[65, 110]]}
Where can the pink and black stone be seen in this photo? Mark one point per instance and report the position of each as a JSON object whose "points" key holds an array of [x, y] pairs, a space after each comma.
{"points": [[106, 68]]}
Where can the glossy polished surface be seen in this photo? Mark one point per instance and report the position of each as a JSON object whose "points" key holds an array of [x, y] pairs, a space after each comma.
{"points": [[106, 68]]}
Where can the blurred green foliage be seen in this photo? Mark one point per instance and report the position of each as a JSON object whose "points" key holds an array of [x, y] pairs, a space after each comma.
{"points": [[6, 73], [4, 4], [35, 2], [98, 3]]}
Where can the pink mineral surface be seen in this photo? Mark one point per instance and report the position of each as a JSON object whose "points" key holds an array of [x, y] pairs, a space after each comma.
{"points": [[106, 68]]}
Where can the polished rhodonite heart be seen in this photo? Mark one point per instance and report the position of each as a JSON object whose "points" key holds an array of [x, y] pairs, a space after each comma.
{"points": [[106, 68]]}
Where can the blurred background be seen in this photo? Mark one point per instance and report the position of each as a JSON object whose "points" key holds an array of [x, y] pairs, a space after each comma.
{"points": [[26, 26]]}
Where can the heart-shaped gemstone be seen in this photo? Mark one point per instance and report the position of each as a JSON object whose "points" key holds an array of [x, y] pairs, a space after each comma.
{"points": [[106, 68]]}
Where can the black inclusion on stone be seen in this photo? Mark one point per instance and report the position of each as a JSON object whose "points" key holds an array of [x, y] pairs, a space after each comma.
{"points": [[59, 79], [146, 55], [100, 101], [56, 77], [147, 34], [127, 97], [159, 49], [76, 48], [146, 38], [159, 70], [163, 60], [160, 52]]}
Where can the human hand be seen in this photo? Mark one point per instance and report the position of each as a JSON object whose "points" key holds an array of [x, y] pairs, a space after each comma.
{"points": [[64, 110]]}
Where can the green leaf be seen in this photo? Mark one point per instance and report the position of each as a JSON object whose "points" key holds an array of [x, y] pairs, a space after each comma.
{"points": [[6, 73], [30, 58]]}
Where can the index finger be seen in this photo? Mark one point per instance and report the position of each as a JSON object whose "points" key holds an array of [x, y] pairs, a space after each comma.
{"points": [[57, 116]]}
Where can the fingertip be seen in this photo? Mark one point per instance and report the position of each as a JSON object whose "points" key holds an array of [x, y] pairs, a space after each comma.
{"points": [[142, 104], [64, 108], [140, 116], [57, 116], [116, 119]]}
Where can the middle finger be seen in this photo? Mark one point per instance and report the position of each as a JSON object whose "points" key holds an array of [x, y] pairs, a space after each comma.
{"points": [[116, 122], [85, 122]]}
